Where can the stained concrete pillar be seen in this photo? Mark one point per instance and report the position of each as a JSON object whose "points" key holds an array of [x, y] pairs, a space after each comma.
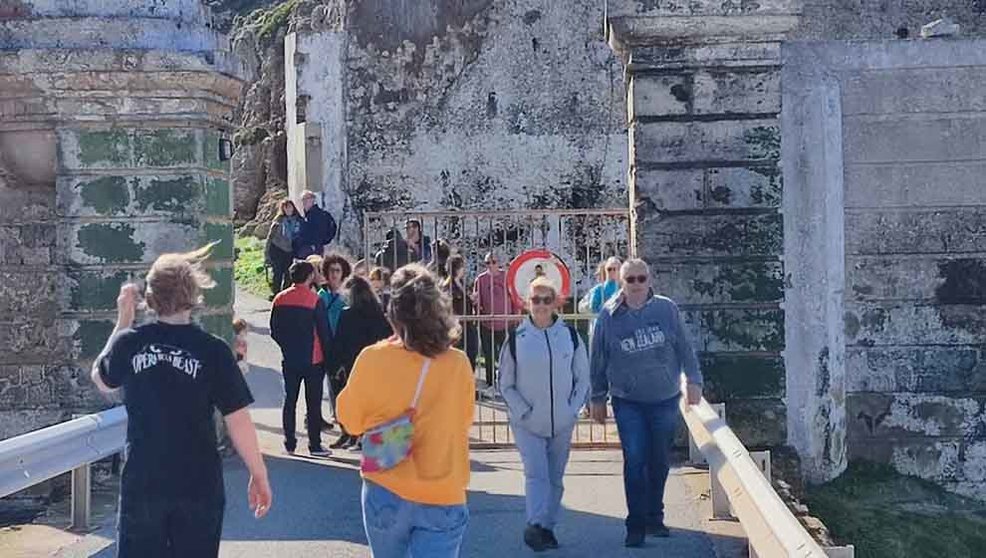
{"points": [[704, 99], [111, 115]]}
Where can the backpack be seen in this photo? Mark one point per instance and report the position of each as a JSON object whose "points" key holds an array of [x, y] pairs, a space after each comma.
{"points": [[330, 228], [512, 340]]}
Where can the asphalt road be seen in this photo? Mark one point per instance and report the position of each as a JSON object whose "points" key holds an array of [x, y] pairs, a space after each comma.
{"points": [[316, 509]]}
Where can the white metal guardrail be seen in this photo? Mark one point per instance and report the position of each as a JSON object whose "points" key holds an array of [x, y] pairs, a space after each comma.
{"points": [[771, 528], [37, 456]]}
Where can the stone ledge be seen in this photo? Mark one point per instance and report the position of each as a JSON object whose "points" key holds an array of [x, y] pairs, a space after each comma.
{"points": [[666, 8], [187, 11], [728, 56], [33, 60], [114, 33], [627, 32], [176, 84]]}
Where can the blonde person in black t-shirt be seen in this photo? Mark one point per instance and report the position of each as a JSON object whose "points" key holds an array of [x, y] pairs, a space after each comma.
{"points": [[173, 374]]}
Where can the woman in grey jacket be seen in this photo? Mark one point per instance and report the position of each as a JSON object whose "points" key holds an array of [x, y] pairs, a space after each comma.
{"points": [[278, 252], [544, 379]]}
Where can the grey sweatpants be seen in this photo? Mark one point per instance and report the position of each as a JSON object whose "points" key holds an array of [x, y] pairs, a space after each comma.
{"points": [[544, 460]]}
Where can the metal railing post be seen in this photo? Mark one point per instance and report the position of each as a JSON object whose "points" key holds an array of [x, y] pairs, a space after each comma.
{"points": [[762, 459], [695, 456], [847, 551], [81, 497]]}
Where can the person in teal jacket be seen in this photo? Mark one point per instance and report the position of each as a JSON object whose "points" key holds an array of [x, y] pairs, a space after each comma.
{"points": [[335, 269], [609, 284]]}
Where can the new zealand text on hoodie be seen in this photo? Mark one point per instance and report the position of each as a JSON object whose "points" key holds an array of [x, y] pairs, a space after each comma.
{"points": [[640, 354]]}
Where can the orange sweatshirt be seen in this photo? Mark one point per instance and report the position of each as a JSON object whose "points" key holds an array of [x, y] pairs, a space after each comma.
{"points": [[381, 388]]}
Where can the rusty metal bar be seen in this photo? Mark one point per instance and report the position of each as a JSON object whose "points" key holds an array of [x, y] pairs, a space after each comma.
{"points": [[510, 213]]}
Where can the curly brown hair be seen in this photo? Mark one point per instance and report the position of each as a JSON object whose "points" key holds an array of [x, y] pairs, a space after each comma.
{"points": [[335, 258], [421, 311]]}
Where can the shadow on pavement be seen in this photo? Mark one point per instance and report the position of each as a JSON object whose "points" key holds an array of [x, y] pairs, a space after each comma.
{"points": [[315, 501], [267, 387]]}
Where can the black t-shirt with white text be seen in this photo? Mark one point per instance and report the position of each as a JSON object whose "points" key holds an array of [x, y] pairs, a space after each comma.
{"points": [[173, 376]]}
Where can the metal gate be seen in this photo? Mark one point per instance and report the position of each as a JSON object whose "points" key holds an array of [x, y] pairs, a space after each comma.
{"points": [[582, 238]]}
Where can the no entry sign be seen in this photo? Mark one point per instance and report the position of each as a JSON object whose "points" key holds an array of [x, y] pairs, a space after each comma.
{"points": [[531, 264]]}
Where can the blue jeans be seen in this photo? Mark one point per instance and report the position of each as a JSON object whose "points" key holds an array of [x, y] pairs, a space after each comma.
{"points": [[397, 528], [646, 434], [545, 460]]}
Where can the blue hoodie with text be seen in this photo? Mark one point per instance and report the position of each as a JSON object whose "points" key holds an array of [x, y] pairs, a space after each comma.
{"points": [[639, 354]]}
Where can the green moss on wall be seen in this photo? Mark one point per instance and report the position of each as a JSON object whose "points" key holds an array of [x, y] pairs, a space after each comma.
{"points": [[107, 195], [104, 148], [112, 242], [175, 194]]}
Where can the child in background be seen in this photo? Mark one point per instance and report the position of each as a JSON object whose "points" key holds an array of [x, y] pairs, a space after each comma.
{"points": [[319, 281], [240, 344], [380, 281]]}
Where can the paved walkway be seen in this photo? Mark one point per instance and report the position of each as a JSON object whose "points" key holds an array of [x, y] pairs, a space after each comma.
{"points": [[316, 508]]}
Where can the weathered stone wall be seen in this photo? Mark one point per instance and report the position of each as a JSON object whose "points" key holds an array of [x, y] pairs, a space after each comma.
{"points": [[467, 105], [898, 133], [844, 20], [705, 183], [110, 119], [705, 92]]}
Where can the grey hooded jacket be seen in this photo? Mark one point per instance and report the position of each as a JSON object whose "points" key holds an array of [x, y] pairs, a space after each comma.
{"points": [[547, 383]]}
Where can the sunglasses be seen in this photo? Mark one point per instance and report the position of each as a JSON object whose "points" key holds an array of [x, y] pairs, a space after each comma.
{"points": [[631, 279], [612, 269], [545, 300]]}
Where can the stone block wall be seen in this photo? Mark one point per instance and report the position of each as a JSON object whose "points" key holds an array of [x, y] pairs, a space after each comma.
{"points": [[911, 120], [706, 188], [109, 156]]}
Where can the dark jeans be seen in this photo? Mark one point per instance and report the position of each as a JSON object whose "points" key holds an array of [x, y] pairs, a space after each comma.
{"points": [[312, 378], [166, 527], [646, 434], [337, 381], [469, 342], [280, 261], [492, 341]]}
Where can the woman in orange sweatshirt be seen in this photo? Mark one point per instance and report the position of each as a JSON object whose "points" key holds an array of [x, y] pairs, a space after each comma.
{"points": [[417, 508]]}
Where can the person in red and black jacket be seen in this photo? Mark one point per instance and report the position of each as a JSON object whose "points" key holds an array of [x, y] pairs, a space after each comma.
{"points": [[299, 324]]}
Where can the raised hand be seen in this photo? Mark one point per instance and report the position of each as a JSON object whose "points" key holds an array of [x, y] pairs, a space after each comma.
{"points": [[126, 305]]}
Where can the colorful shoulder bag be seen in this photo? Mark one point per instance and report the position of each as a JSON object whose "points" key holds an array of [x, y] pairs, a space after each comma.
{"points": [[387, 445]]}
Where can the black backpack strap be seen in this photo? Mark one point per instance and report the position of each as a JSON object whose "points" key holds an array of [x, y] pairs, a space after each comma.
{"points": [[512, 343], [576, 338]]}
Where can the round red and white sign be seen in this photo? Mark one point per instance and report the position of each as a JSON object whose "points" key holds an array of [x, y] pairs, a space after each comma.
{"points": [[532, 264]]}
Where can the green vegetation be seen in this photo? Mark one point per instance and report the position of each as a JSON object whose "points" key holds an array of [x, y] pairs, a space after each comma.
{"points": [[250, 136], [249, 269], [272, 19], [889, 515]]}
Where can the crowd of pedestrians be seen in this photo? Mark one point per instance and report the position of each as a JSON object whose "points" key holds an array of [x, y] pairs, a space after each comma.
{"points": [[398, 366]]}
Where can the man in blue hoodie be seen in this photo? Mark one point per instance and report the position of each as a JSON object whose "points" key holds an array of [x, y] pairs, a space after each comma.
{"points": [[639, 350]]}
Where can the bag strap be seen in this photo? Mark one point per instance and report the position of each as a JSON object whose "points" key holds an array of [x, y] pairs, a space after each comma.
{"points": [[574, 333], [421, 382]]}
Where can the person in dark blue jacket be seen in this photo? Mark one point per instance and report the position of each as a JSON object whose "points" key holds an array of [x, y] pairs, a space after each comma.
{"points": [[317, 230]]}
